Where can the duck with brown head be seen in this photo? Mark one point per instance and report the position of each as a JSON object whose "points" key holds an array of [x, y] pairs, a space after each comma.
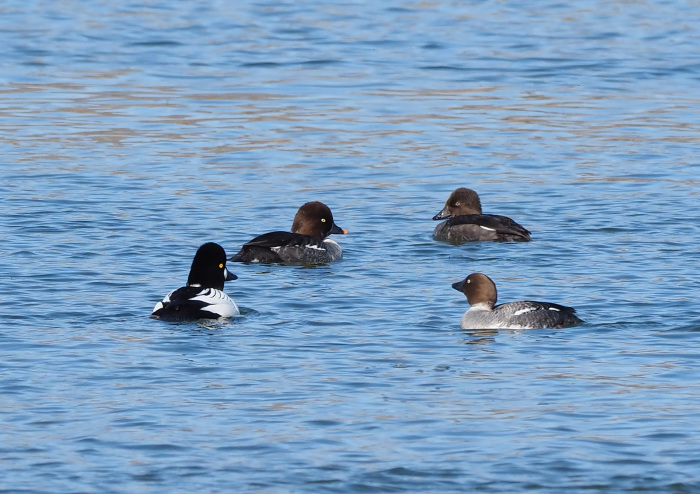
{"points": [[307, 243], [467, 223], [482, 295]]}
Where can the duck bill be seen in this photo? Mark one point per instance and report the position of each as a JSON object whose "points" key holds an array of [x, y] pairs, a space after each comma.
{"points": [[337, 230], [443, 215], [229, 276], [458, 286]]}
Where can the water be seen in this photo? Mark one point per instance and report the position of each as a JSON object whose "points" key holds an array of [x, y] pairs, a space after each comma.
{"points": [[132, 133]]}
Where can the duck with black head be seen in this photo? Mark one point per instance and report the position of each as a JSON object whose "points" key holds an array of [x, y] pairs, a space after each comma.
{"points": [[203, 296]]}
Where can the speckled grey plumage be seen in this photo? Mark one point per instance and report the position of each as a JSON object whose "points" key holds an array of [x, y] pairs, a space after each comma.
{"points": [[520, 315]]}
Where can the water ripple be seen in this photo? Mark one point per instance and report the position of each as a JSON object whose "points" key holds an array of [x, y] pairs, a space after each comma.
{"points": [[134, 133]]}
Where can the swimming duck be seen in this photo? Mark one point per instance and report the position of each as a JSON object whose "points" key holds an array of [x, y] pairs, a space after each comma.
{"points": [[305, 244], [202, 297], [466, 223], [481, 293]]}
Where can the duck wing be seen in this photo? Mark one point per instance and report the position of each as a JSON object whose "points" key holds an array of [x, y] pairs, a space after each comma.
{"points": [[505, 228], [277, 247], [532, 314]]}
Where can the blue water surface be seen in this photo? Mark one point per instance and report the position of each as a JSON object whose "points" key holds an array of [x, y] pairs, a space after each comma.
{"points": [[131, 133]]}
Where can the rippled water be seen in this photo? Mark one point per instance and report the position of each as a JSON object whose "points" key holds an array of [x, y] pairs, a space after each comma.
{"points": [[132, 133]]}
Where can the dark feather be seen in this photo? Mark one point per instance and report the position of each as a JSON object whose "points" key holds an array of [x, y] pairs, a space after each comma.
{"points": [[260, 248], [180, 307], [538, 314], [502, 227]]}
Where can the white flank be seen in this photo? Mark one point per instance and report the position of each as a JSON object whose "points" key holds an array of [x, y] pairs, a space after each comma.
{"points": [[335, 252], [162, 303]]}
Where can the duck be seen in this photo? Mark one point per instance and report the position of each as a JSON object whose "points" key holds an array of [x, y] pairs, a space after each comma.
{"points": [[203, 296], [481, 293], [306, 244], [466, 222]]}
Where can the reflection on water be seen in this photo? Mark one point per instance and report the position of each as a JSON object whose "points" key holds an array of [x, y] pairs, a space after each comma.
{"points": [[482, 336], [133, 133]]}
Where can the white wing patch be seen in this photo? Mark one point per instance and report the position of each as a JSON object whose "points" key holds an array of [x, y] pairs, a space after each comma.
{"points": [[487, 228], [524, 311], [554, 308]]}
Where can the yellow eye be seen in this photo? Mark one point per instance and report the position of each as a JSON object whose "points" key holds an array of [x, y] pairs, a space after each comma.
{"points": [[457, 203], [469, 281], [221, 266], [323, 220]]}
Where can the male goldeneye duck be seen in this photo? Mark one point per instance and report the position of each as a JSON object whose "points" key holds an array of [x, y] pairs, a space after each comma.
{"points": [[466, 223], [485, 314], [306, 244], [203, 297]]}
